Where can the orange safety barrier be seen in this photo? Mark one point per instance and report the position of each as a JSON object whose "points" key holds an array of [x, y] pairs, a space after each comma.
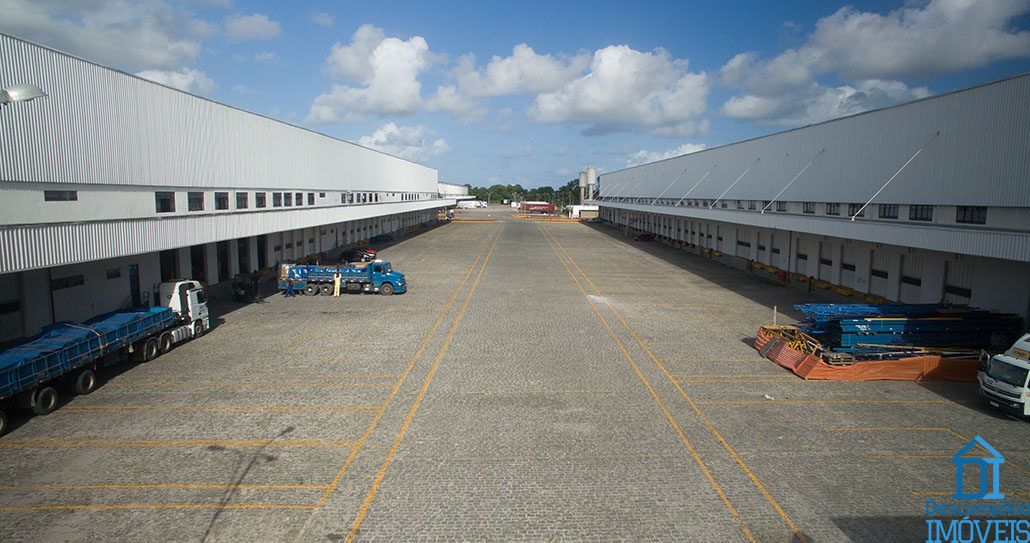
{"points": [[916, 368]]}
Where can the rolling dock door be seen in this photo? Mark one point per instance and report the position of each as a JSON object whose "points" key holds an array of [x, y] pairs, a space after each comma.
{"points": [[826, 261], [879, 265], [958, 282], [911, 278], [847, 266]]}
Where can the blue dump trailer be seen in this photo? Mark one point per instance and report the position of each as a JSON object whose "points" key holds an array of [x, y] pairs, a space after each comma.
{"points": [[375, 276], [66, 355]]}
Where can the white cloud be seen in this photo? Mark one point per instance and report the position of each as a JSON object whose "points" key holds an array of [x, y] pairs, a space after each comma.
{"points": [[128, 35], [417, 143], [869, 52], [447, 98], [818, 102], [523, 72], [386, 67], [256, 26], [644, 156], [626, 89], [323, 19], [186, 79]]}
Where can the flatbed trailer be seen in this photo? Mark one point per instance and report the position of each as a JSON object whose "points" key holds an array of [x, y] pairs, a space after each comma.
{"points": [[376, 276]]}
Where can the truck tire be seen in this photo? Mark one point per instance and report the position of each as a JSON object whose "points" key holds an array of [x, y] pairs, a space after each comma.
{"points": [[44, 400], [198, 329], [165, 342], [311, 290], [386, 289], [353, 287], [327, 290], [150, 350], [3, 422], [85, 382]]}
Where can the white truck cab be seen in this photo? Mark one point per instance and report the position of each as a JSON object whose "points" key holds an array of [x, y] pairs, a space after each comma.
{"points": [[188, 300], [1004, 378]]}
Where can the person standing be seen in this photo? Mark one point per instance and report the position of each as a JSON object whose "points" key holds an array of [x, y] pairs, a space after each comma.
{"points": [[336, 284], [289, 292]]}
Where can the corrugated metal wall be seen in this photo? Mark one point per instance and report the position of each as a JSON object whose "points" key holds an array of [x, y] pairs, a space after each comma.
{"points": [[979, 158], [103, 126]]}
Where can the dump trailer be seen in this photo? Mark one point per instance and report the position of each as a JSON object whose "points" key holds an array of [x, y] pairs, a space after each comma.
{"points": [[66, 355], [1005, 378], [375, 276]]}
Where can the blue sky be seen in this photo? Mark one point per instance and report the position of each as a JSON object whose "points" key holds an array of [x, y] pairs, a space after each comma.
{"points": [[532, 92]]}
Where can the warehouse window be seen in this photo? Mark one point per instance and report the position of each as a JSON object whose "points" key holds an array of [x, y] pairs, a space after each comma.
{"points": [[311, 198], [833, 209], [740, 204], [60, 195], [221, 200], [809, 207], [775, 251], [802, 256], [724, 205], [165, 202], [196, 201], [920, 213], [241, 200], [743, 243], [287, 199], [300, 198], [259, 199], [914, 281], [845, 266], [277, 199], [321, 195], [825, 261], [856, 210], [958, 291], [971, 215], [66, 282], [751, 205], [781, 207], [888, 211], [878, 273]]}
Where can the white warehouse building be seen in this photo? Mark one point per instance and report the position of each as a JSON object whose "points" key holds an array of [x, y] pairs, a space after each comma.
{"points": [[112, 183], [923, 202]]}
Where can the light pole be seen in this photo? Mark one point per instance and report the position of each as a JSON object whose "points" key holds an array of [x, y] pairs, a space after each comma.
{"points": [[20, 93]]}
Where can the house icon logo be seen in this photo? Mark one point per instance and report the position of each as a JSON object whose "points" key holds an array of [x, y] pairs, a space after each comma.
{"points": [[989, 468]]}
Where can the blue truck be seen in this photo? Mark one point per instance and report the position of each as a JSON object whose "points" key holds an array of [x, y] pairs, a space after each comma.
{"points": [[313, 280], [66, 355]]}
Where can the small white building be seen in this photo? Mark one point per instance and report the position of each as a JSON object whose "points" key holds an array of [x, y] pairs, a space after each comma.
{"points": [[583, 211], [112, 183]]}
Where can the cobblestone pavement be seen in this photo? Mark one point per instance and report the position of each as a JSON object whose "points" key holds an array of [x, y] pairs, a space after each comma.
{"points": [[539, 382]]}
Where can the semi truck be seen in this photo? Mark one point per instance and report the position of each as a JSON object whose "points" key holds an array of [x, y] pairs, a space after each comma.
{"points": [[313, 280], [66, 355], [1005, 378]]}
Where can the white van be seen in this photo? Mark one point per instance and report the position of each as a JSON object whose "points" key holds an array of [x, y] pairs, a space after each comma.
{"points": [[1003, 378]]}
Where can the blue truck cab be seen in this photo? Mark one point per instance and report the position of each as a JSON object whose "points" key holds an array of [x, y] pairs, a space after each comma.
{"points": [[313, 280]]}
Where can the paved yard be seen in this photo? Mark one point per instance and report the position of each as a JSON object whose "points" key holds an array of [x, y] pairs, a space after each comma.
{"points": [[539, 381]]}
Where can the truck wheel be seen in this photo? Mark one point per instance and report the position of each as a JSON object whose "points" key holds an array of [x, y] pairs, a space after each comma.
{"points": [[327, 290], [386, 289], [198, 329], [3, 422], [311, 290], [86, 382], [150, 350], [44, 401], [165, 342]]}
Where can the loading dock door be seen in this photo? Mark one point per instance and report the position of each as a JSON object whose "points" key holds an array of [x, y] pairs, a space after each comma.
{"points": [[825, 260], [879, 265], [958, 282], [911, 278], [847, 266]]}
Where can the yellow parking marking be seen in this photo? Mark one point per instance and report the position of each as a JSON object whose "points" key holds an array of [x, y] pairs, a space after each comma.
{"points": [[704, 418], [130, 443], [397, 385], [227, 408], [157, 486], [87, 506], [418, 399], [246, 386], [657, 398], [902, 429], [829, 402]]}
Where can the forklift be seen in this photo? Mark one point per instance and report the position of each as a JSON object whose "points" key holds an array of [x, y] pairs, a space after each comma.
{"points": [[246, 288]]}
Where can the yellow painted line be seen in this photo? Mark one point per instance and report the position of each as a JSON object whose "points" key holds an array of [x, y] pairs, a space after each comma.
{"points": [[830, 402], [418, 399], [75, 507], [157, 486], [227, 408], [130, 443], [238, 377], [397, 385], [246, 386], [657, 398], [902, 429], [798, 534]]}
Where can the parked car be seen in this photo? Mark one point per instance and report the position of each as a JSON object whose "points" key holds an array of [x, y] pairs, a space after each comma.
{"points": [[382, 238], [357, 254], [644, 237]]}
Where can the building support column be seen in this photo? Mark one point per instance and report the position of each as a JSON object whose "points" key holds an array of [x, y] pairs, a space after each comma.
{"points": [[234, 258], [211, 263], [185, 262], [252, 254]]}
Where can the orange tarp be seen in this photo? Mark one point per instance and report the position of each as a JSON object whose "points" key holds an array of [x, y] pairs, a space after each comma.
{"points": [[917, 368]]}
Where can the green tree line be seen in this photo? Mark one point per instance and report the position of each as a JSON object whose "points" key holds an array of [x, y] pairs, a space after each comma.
{"points": [[566, 194]]}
